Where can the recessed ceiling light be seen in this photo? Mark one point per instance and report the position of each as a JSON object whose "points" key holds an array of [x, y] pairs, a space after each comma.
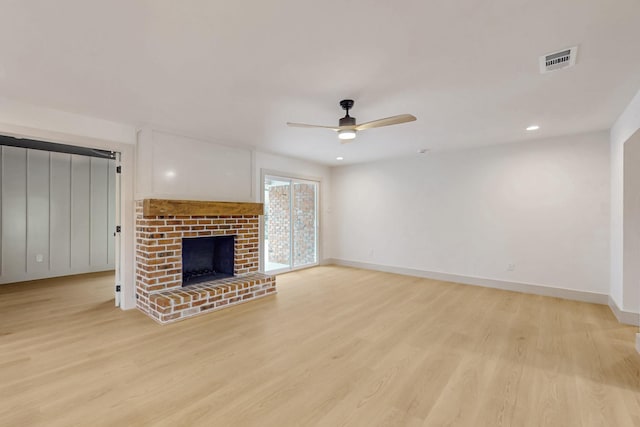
{"points": [[533, 127], [339, 158], [170, 174]]}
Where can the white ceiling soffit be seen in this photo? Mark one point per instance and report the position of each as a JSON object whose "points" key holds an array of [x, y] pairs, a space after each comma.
{"points": [[238, 71]]}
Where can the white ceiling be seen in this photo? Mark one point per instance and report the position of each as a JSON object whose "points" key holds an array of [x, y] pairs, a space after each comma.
{"points": [[236, 71]]}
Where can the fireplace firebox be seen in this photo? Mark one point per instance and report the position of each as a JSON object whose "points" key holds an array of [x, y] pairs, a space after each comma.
{"points": [[207, 258]]}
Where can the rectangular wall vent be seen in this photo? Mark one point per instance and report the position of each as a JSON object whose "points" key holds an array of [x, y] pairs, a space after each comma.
{"points": [[558, 60]]}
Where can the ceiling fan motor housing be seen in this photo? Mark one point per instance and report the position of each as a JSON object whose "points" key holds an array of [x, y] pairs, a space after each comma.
{"points": [[347, 121]]}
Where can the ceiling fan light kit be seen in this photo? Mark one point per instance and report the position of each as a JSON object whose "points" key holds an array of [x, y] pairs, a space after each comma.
{"points": [[347, 126], [346, 134]]}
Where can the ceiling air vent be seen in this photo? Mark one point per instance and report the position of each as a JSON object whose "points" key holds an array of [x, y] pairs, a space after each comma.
{"points": [[558, 60]]}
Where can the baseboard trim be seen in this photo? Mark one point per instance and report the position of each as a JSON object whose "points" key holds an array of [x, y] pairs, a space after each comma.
{"points": [[626, 317], [527, 288], [11, 280]]}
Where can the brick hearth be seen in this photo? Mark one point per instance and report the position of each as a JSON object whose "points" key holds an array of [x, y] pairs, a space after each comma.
{"points": [[159, 291]]}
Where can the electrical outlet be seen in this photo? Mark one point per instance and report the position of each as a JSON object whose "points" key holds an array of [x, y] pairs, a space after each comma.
{"points": [[511, 267], [39, 258]]}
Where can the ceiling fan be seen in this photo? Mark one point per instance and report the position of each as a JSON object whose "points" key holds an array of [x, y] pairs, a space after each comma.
{"points": [[347, 126]]}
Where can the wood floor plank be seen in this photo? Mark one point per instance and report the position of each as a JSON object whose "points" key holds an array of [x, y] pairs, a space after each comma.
{"points": [[335, 347]]}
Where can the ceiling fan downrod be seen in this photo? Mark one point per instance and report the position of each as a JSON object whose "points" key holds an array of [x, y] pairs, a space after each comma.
{"points": [[347, 120]]}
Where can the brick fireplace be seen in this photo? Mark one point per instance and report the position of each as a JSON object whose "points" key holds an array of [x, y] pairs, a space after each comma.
{"points": [[161, 226]]}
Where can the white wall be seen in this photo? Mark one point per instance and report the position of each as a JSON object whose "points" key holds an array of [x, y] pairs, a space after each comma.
{"points": [[57, 215], [206, 170], [172, 166], [542, 206], [627, 125], [631, 221]]}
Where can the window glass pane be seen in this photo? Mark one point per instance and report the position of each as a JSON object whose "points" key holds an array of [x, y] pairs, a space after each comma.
{"points": [[277, 227], [304, 223]]}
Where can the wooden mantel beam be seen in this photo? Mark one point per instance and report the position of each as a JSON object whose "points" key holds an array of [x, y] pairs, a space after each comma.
{"points": [[162, 207]]}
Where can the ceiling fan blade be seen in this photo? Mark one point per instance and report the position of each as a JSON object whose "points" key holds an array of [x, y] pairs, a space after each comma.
{"points": [[304, 125], [395, 120]]}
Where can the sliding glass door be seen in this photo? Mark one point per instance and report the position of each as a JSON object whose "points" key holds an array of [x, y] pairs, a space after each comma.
{"points": [[277, 224], [290, 223]]}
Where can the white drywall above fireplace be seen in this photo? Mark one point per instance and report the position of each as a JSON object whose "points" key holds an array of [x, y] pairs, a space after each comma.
{"points": [[174, 166]]}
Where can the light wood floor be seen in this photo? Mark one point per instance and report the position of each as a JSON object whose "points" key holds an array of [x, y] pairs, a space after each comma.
{"points": [[337, 346]]}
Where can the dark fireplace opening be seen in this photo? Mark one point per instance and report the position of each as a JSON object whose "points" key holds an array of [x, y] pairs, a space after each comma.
{"points": [[207, 258]]}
